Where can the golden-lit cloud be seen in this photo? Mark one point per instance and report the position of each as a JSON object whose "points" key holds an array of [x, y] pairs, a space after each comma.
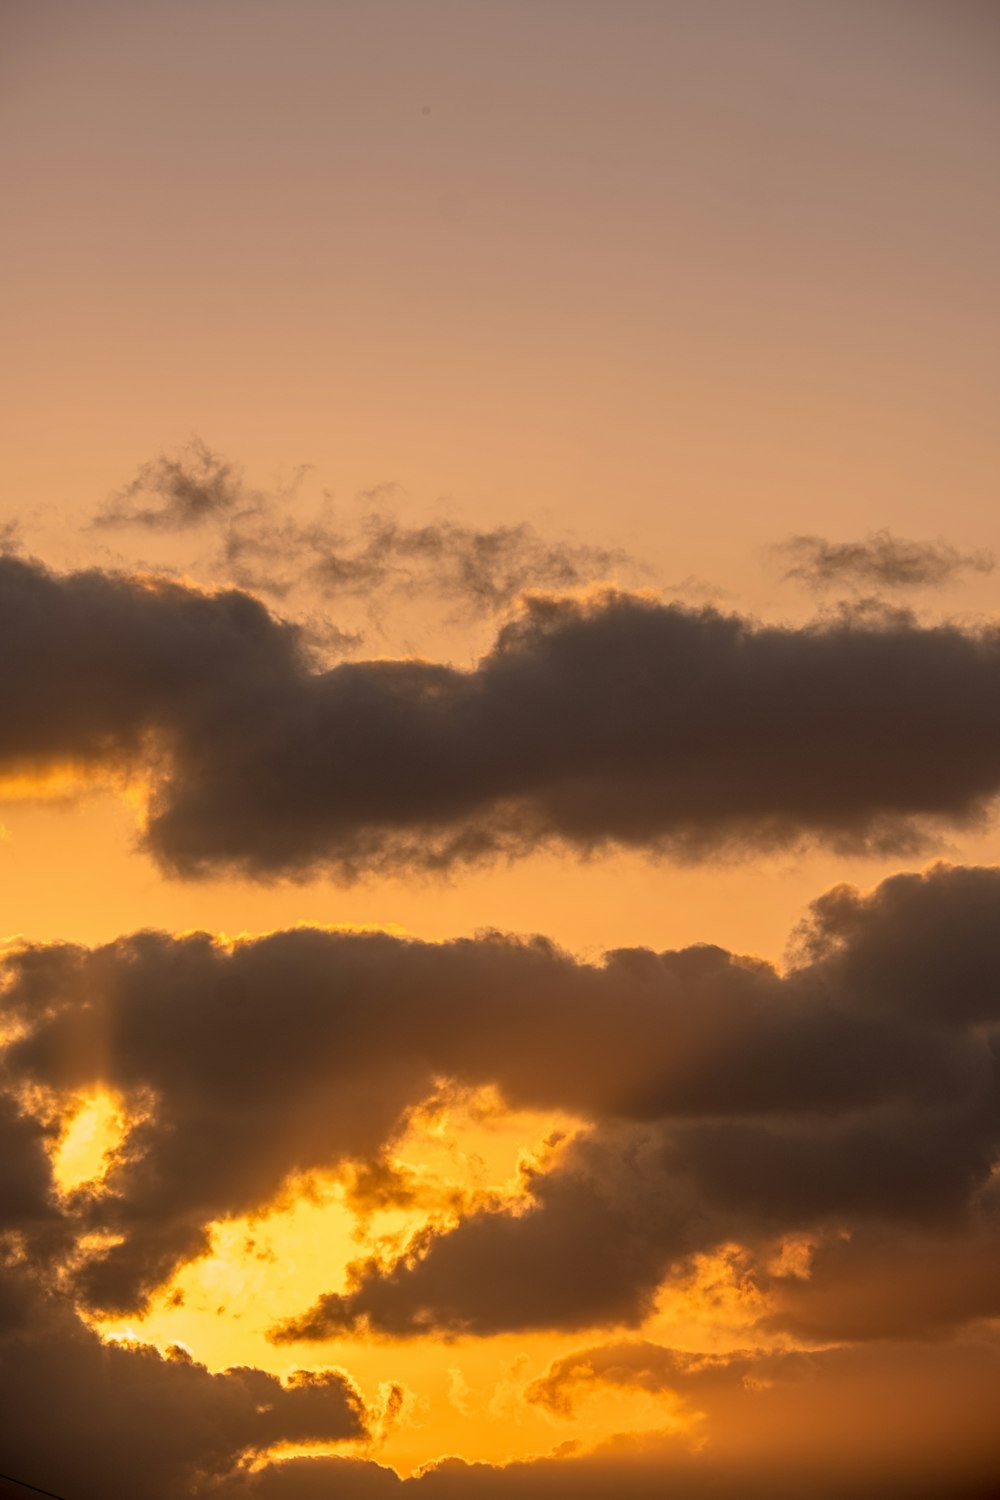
{"points": [[510, 1191]]}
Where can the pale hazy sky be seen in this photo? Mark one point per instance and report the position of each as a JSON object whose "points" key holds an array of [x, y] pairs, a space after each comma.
{"points": [[683, 279], [697, 275]]}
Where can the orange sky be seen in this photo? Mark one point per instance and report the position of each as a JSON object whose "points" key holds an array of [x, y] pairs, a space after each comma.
{"points": [[670, 282]]}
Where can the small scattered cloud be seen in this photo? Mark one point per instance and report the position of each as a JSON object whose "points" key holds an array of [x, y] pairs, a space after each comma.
{"points": [[11, 539], [264, 541], [879, 560], [176, 492]]}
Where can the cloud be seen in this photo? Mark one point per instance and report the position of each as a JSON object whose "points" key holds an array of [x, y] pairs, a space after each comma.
{"points": [[881, 560], [822, 1420], [618, 721], [100, 662], [10, 537], [380, 555], [93, 1420], [25, 1171], [880, 1284], [129, 1420], [889, 1419], [720, 1100], [850, 1103], [173, 493], [893, 1421], [644, 1201], [643, 1366], [266, 546]]}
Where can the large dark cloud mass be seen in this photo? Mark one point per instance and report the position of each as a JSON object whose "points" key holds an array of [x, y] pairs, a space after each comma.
{"points": [[621, 721], [850, 1104], [91, 1420], [891, 1421], [721, 1101], [644, 1202]]}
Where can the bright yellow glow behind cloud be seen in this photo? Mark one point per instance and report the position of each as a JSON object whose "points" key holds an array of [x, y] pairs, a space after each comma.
{"points": [[96, 1129], [64, 781], [429, 1398]]}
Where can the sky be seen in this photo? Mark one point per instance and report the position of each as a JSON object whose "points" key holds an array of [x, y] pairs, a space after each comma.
{"points": [[499, 854]]}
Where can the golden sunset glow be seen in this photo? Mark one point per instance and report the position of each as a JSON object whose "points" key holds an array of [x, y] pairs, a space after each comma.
{"points": [[92, 1133], [499, 750], [468, 1396]]}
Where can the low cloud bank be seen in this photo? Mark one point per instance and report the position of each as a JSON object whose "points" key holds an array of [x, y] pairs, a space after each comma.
{"points": [[615, 722], [721, 1102], [850, 1106]]}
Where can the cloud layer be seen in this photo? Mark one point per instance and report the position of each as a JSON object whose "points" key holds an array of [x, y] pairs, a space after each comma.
{"points": [[721, 1102], [620, 721], [850, 1107], [91, 1420]]}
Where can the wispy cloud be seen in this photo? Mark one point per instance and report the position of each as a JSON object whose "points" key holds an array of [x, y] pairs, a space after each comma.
{"points": [[262, 541], [879, 560], [174, 493]]}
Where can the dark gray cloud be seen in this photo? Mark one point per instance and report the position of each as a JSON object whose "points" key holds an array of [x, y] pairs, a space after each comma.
{"points": [[881, 1283], [869, 942], [93, 1421], [25, 1174], [891, 1420], [916, 1152], [880, 561], [620, 722], [643, 1201], [781, 1420], [97, 664], [615, 722], [888, 1419], [615, 1195], [724, 1101], [853, 1101]]}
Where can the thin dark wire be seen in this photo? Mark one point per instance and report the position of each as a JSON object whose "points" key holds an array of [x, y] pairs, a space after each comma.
{"points": [[9, 1479]]}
